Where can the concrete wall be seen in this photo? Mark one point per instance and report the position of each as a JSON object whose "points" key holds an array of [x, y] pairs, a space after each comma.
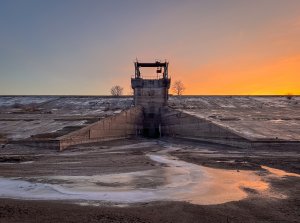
{"points": [[172, 123], [150, 94], [181, 125], [123, 125]]}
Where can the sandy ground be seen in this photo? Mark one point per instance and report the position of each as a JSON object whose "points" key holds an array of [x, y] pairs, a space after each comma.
{"points": [[146, 161]]}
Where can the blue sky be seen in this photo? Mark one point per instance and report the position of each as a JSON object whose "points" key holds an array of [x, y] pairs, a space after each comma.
{"points": [[86, 46]]}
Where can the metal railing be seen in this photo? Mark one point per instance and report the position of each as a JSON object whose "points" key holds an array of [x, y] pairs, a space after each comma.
{"points": [[150, 77]]}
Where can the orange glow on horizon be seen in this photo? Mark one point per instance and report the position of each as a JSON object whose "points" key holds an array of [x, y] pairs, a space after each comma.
{"points": [[279, 77]]}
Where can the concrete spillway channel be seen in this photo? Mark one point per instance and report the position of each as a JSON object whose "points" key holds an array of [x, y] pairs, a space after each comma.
{"points": [[168, 122], [135, 121], [60, 122], [138, 121]]}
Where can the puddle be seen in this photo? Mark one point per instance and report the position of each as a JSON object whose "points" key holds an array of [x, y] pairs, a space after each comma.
{"points": [[279, 173], [176, 181], [203, 185]]}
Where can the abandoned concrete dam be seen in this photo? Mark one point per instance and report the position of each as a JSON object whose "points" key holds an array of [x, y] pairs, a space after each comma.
{"points": [[150, 157], [61, 122]]}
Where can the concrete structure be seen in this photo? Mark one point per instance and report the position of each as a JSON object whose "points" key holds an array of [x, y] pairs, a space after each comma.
{"points": [[126, 124], [123, 125], [180, 124], [152, 95], [60, 122]]}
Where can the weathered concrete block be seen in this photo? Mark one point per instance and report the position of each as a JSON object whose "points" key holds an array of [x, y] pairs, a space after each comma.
{"points": [[123, 125]]}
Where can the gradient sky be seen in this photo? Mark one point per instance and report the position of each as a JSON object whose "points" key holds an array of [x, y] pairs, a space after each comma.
{"points": [[83, 47]]}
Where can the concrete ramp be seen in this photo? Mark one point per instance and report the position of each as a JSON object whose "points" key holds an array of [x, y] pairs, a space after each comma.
{"points": [[123, 125], [189, 125], [179, 124]]}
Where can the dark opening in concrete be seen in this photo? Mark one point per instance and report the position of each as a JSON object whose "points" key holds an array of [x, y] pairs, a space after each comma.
{"points": [[151, 132], [151, 125]]}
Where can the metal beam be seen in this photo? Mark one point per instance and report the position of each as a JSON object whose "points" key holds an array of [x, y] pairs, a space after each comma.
{"points": [[156, 64]]}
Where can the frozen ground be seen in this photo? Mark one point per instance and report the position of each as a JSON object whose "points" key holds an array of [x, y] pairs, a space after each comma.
{"points": [[159, 181], [50, 116], [259, 118], [181, 182], [167, 178], [149, 181]]}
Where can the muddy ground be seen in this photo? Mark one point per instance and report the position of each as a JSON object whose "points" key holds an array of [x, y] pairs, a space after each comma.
{"points": [[131, 155]]}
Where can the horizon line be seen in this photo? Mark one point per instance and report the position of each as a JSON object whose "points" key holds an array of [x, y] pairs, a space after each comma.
{"points": [[192, 95]]}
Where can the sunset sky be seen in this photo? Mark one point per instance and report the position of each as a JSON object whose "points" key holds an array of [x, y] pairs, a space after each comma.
{"points": [[83, 47]]}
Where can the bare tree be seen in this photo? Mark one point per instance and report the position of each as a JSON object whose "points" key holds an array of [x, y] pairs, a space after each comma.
{"points": [[289, 96], [178, 87], [116, 90]]}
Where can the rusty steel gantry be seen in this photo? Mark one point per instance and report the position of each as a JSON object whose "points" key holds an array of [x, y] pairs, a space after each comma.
{"points": [[159, 65]]}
